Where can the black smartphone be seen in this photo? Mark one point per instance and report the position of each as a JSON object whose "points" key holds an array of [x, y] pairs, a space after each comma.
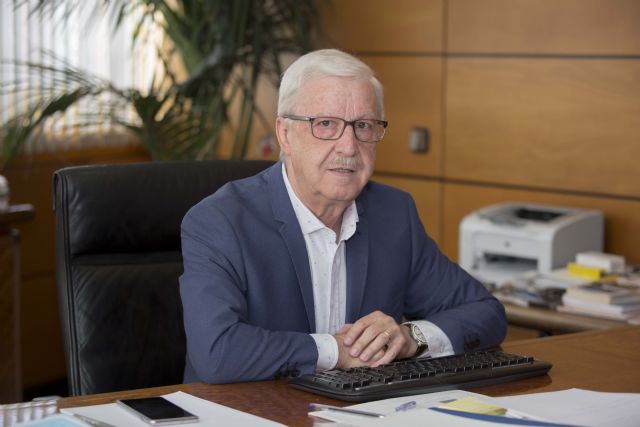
{"points": [[157, 411]]}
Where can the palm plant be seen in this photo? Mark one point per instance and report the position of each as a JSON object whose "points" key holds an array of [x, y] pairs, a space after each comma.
{"points": [[223, 47]]}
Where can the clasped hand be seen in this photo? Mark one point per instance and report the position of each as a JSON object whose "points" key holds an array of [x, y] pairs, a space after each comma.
{"points": [[373, 340]]}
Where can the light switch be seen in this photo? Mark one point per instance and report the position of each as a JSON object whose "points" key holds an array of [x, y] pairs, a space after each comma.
{"points": [[419, 140]]}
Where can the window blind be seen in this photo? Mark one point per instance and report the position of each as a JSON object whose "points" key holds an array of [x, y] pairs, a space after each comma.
{"points": [[78, 36]]}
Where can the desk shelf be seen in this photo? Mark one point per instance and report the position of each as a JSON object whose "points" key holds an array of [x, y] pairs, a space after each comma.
{"points": [[551, 322]]}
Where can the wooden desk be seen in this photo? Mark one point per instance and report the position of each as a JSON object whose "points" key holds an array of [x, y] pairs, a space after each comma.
{"points": [[596, 360]]}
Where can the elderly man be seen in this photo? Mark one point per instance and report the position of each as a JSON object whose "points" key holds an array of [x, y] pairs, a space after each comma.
{"points": [[309, 265]]}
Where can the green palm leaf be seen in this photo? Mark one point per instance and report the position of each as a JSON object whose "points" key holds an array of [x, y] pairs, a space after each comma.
{"points": [[224, 46]]}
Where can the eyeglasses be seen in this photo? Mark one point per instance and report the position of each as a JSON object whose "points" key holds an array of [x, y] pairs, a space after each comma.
{"points": [[332, 128]]}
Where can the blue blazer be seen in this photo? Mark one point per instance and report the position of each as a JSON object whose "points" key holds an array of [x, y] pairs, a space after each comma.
{"points": [[247, 294]]}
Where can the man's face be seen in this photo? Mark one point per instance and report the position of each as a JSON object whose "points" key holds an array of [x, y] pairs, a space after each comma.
{"points": [[325, 172]]}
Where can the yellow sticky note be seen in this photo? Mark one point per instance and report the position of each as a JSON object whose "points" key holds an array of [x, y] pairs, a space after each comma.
{"points": [[590, 273], [473, 405]]}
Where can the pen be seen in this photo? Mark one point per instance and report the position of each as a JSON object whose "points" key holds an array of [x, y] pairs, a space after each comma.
{"points": [[406, 405], [91, 421], [321, 407]]}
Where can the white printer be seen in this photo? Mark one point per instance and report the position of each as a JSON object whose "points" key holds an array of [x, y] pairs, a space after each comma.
{"points": [[505, 240]]}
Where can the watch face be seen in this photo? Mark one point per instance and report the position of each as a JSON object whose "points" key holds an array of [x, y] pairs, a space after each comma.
{"points": [[417, 335]]}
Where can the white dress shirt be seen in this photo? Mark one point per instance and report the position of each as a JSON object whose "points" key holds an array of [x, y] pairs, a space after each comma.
{"points": [[327, 262]]}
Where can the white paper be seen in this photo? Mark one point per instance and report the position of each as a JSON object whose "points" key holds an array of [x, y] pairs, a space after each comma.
{"points": [[572, 407], [581, 407], [422, 417], [210, 414], [57, 420], [387, 406]]}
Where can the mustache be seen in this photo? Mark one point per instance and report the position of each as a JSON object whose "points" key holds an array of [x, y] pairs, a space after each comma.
{"points": [[342, 162]]}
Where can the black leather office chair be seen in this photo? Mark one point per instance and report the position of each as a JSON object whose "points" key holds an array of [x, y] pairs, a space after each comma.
{"points": [[118, 262]]}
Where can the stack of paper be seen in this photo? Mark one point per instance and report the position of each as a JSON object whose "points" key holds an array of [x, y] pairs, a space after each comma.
{"points": [[603, 299]]}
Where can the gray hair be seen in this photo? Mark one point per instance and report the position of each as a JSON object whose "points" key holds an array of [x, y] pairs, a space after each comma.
{"points": [[324, 63]]}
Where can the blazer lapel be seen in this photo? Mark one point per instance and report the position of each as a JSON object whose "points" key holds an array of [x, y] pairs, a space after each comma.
{"points": [[357, 259], [292, 236]]}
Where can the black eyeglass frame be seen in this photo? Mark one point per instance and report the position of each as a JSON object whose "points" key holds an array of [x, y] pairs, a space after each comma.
{"points": [[352, 123]]}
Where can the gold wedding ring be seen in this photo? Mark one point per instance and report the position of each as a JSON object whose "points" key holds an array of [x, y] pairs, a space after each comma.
{"points": [[388, 334]]}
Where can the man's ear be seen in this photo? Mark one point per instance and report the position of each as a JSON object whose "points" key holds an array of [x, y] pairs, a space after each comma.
{"points": [[282, 133]]}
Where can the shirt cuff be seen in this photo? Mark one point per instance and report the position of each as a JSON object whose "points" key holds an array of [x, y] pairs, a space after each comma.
{"points": [[438, 342], [327, 351]]}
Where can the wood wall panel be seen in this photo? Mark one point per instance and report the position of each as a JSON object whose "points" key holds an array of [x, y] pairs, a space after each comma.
{"points": [[427, 195], [263, 124], [549, 123], [622, 217], [42, 347], [34, 186], [589, 27], [10, 370], [377, 25], [413, 98]]}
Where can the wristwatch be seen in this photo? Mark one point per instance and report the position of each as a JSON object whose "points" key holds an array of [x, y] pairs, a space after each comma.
{"points": [[419, 338]]}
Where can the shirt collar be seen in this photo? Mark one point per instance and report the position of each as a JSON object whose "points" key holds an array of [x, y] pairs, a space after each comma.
{"points": [[310, 223]]}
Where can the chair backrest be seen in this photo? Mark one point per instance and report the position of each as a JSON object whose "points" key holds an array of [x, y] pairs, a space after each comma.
{"points": [[118, 262]]}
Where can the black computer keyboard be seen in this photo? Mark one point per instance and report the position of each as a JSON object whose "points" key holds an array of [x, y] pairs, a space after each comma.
{"points": [[416, 376]]}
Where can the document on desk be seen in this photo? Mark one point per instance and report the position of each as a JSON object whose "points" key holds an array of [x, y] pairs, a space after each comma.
{"points": [[577, 406], [211, 414], [421, 413], [573, 407]]}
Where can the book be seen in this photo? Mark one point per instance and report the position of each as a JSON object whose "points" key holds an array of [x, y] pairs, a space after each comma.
{"points": [[608, 262], [605, 293]]}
